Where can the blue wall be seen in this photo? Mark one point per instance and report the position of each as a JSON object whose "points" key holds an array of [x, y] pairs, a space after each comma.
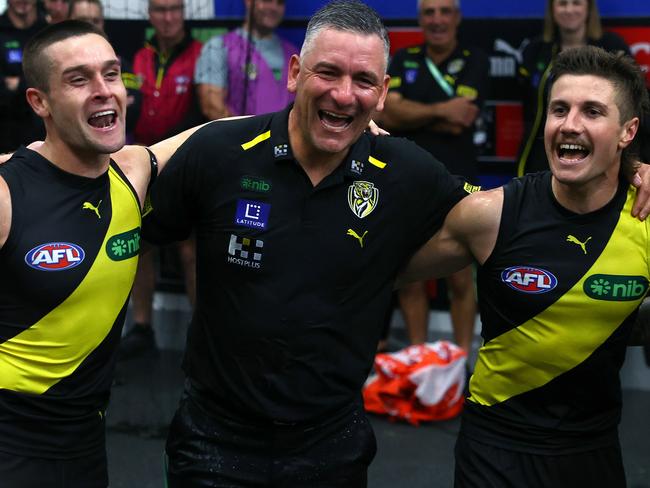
{"points": [[392, 9]]}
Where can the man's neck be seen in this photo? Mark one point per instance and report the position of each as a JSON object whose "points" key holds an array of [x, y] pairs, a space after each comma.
{"points": [[256, 32], [167, 46], [81, 163], [22, 21], [439, 53], [585, 198]]}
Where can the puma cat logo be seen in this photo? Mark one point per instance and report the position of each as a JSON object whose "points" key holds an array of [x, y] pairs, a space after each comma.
{"points": [[356, 236], [90, 206], [575, 240]]}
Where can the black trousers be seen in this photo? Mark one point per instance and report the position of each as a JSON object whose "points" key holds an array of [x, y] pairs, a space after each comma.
{"points": [[481, 465], [27, 472], [208, 450]]}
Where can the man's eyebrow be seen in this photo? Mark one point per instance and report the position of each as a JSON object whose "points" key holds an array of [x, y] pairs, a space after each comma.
{"points": [[597, 104], [363, 74], [326, 64], [84, 67], [583, 103]]}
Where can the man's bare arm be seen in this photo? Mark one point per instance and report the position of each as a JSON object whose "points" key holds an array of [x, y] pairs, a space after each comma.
{"points": [[212, 100], [5, 211], [135, 160], [469, 232]]}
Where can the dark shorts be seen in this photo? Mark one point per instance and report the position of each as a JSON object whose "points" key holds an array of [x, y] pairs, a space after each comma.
{"points": [[27, 472], [216, 451], [481, 465]]}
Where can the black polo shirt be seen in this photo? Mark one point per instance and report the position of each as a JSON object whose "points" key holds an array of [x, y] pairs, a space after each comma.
{"points": [[293, 281], [465, 71]]}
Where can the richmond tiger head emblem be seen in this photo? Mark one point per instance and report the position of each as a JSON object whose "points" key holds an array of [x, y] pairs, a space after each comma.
{"points": [[362, 198]]}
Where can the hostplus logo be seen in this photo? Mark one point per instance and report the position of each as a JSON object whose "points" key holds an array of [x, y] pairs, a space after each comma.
{"points": [[245, 252], [614, 288]]}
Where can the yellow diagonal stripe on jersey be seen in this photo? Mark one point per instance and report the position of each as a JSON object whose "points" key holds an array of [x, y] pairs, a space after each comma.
{"points": [[567, 333], [55, 346], [262, 137]]}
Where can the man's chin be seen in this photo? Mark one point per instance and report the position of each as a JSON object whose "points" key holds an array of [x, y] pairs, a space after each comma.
{"points": [[109, 147], [333, 147], [338, 141]]}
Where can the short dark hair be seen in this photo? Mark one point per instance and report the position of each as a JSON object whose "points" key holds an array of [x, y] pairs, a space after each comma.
{"points": [[621, 71], [346, 16], [36, 64]]}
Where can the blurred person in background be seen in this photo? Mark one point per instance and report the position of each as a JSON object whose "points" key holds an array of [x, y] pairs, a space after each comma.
{"points": [[245, 71], [567, 24], [55, 10], [18, 124]]}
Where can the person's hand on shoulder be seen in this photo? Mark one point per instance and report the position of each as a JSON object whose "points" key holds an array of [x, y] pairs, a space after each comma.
{"points": [[641, 180]]}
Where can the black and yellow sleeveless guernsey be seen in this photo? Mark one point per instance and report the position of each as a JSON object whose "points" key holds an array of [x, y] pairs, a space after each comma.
{"points": [[67, 269], [558, 297]]}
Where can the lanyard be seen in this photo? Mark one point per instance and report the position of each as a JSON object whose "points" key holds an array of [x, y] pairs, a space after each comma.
{"points": [[435, 72]]}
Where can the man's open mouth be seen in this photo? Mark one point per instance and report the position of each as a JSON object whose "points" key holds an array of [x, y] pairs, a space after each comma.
{"points": [[103, 119], [572, 152], [334, 121]]}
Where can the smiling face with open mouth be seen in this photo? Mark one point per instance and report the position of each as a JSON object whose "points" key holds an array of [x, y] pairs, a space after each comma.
{"points": [[86, 97], [338, 82], [584, 136]]}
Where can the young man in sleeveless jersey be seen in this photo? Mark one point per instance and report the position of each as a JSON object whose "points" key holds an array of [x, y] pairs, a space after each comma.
{"points": [[69, 238], [562, 269]]}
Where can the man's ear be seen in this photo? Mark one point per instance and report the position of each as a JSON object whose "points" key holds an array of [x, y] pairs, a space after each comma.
{"points": [[294, 70], [38, 101], [628, 132], [384, 91]]}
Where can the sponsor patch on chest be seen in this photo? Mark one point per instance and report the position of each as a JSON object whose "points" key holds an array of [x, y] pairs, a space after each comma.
{"points": [[252, 214], [529, 280], [55, 256]]}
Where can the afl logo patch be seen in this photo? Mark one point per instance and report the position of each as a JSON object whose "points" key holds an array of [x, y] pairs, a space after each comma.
{"points": [[529, 280], [55, 256]]}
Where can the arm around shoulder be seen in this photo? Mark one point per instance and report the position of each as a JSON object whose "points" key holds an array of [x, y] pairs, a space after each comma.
{"points": [[135, 161], [468, 233], [5, 211]]}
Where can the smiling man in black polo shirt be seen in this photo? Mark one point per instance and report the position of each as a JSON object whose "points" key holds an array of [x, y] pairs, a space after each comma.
{"points": [[302, 224]]}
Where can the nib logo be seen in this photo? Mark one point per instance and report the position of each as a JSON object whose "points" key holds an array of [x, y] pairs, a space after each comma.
{"points": [[615, 288], [600, 287]]}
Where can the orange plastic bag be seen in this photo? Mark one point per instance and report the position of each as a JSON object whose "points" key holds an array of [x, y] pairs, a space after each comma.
{"points": [[419, 383]]}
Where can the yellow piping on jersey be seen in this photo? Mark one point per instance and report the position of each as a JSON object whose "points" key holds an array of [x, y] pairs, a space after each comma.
{"points": [[568, 332], [55, 346], [376, 162], [262, 137]]}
